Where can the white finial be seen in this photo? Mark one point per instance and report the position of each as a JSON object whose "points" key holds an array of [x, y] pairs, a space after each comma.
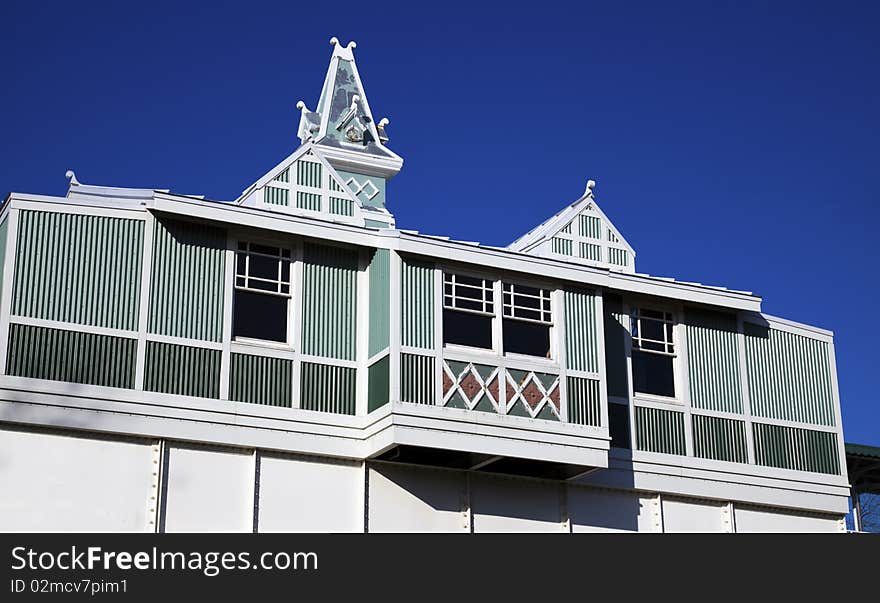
{"points": [[591, 184], [72, 177], [301, 106], [334, 41], [351, 45], [383, 122], [355, 99]]}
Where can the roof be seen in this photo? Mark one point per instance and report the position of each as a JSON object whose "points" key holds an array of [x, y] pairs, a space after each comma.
{"points": [[863, 450]]}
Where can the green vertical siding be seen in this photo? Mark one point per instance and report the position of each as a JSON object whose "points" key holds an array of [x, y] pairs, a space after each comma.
{"points": [[590, 226], [417, 305], [79, 269], [310, 201], [713, 361], [417, 379], [618, 257], [283, 176], [335, 186], [789, 376], [327, 388], [584, 401], [798, 449], [186, 298], [590, 251], [329, 302], [617, 379], [182, 370], [71, 356], [581, 334], [308, 173], [562, 246], [720, 439], [276, 196], [660, 430], [378, 384], [380, 296], [341, 206], [261, 380], [4, 230]]}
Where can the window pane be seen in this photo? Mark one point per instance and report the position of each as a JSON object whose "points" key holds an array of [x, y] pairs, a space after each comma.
{"points": [[259, 316], [461, 328], [618, 425], [526, 338], [652, 330], [264, 249], [240, 263], [263, 285], [653, 374], [263, 267]]}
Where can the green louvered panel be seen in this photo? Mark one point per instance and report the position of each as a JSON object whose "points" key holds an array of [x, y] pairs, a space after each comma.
{"points": [[417, 305], [283, 176], [720, 439], [182, 370], [335, 186], [80, 269], [380, 295], [581, 333], [378, 384], [584, 401], [276, 196], [308, 173], [617, 374], [618, 257], [310, 201], [789, 376], [329, 304], [591, 226], [327, 388], [660, 430], [798, 449], [417, 379], [186, 297], [567, 228], [71, 356], [341, 206], [590, 251], [561, 246], [261, 380], [713, 361], [4, 230]]}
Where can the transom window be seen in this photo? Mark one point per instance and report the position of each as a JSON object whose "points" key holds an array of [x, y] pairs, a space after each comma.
{"points": [[527, 318], [262, 292], [468, 309], [653, 352]]}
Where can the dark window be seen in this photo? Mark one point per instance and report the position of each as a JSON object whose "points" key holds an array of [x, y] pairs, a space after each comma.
{"points": [[653, 373], [259, 316], [618, 425], [530, 338], [465, 328]]}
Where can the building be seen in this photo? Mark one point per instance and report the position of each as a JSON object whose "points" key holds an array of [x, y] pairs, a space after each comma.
{"points": [[291, 361]]}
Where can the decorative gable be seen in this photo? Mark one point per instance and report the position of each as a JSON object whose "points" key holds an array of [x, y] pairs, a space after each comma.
{"points": [[582, 233]]}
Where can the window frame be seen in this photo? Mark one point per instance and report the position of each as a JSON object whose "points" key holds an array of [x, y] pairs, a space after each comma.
{"points": [[294, 259], [674, 314], [551, 323], [493, 316]]}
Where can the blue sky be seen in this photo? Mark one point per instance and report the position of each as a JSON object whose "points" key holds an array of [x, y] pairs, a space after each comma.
{"points": [[733, 144]]}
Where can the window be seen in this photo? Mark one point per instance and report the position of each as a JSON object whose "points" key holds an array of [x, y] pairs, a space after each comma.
{"points": [[262, 292], [653, 352], [526, 320], [468, 309]]}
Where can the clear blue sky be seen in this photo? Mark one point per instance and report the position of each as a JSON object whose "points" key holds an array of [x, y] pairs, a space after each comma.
{"points": [[734, 143]]}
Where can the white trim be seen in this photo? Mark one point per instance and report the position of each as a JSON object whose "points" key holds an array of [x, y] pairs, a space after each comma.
{"points": [[7, 275], [362, 312], [146, 294], [72, 326], [228, 301], [194, 343], [395, 269]]}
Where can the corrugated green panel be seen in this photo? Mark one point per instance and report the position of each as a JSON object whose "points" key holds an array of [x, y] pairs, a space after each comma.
{"points": [[187, 280], [590, 226], [327, 388], [335, 186], [71, 356], [417, 379], [660, 430], [590, 251], [182, 370], [310, 201], [283, 176], [276, 196], [417, 305], [581, 334], [308, 173], [261, 380], [329, 303], [720, 439], [380, 296], [341, 206], [80, 269], [4, 230], [562, 246], [789, 376], [798, 449], [567, 228], [378, 384], [617, 374], [713, 361], [618, 257], [584, 401]]}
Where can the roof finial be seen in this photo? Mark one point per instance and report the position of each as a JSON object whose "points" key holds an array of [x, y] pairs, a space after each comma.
{"points": [[334, 41], [383, 122], [591, 184], [380, 128], [72, 177], [343, 52], [301, 106]]}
